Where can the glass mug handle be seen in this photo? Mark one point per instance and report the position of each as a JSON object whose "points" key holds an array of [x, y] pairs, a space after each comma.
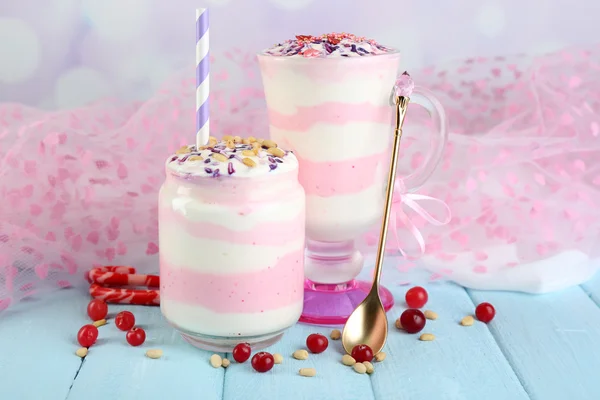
{"points": [[439, 137]]}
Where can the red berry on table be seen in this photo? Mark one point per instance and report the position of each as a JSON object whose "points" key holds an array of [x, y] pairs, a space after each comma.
{"points": [[412, 320], [241, 352], [136, 336], [125, 320], [317, 343], [97, 310], [362, 353], [87, 335], [485, 312], [263, 361], [416, 297]]}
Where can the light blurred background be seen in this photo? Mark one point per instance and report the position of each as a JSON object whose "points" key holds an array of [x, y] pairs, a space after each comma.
{"points": [[67, 53]]}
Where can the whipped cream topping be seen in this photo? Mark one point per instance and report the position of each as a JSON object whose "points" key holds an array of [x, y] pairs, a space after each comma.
{"points": [[327, 45], [232, 157]]}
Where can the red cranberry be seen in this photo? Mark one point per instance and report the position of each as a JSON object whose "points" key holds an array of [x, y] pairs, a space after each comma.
{"points": [[97, 310], [412, 320], [87, 335], [317, 343], [263, 361], [241, 352], [136, 336], [485, 312], [416, 297], [362, 353], [125, 320]]}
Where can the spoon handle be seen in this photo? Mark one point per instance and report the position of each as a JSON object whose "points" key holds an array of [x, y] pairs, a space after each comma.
{"points": [[401, 107]]}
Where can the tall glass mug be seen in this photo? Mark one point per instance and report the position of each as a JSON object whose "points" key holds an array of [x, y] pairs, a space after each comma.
{"points": [[329, 100], [231, 235]]}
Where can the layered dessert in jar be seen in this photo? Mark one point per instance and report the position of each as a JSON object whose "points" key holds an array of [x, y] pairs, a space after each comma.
{"points": [[231, 232]]}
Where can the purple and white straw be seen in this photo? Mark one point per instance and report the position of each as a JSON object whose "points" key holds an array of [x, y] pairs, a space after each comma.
{"points": [[202, 78]]}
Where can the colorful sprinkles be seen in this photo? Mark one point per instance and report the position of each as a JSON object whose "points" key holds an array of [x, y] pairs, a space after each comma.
{"points": [[327, 45], [220, 156]]}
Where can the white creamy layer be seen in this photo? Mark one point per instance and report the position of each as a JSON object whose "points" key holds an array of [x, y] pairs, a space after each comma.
{"points": [[210, 256], [242, 217], [198, 319], [286, 90], [327, 142], [344, 217]]}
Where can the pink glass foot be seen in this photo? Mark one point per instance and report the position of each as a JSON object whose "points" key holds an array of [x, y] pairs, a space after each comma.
{"points": [[333, 304]]}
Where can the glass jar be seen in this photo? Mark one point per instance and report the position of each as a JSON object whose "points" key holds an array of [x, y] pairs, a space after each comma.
{"points": [[231, 234]]}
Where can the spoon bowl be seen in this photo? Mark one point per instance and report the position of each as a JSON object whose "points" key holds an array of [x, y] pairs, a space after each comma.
{"points": [[366, 325]]}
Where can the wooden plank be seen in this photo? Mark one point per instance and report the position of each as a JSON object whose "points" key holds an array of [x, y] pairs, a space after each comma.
{"points": [[333, 379], [592, 288], [461, 363], [115, 370], [37, 347], [552, 341]]}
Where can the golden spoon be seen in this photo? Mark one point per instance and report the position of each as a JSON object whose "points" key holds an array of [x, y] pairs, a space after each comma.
{"points": [[368, 322]]}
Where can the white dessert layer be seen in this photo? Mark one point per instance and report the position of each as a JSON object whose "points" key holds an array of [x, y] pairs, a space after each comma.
{"points": [[343, 217], [197, 319], [325, 142], [242, 216], [209, 256], [374, 88]]}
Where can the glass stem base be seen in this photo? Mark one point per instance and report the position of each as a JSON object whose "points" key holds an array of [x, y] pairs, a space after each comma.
{"points": [[332, 304]]}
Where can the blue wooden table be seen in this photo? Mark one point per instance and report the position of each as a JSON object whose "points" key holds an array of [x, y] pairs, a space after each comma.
{"points": [[542, 347]]}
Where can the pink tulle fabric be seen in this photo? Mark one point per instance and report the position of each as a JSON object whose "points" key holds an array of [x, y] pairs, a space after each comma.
{"points": [[78, 188]]}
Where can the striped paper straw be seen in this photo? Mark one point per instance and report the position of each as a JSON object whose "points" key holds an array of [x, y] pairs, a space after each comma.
{"points": [[202, 77]]}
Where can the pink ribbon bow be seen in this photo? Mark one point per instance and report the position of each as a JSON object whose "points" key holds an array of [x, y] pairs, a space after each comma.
{"points": [[399, 216]]}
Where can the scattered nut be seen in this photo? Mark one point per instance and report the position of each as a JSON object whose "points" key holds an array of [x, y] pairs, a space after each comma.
{"points": [[248, 153], [300, 355], [260, 140], [398, 324], [220, 157], [278, 358], [360, 368], [276, 151], [227, 138], [237, 139], [195, 158], [335, 334], [431, 315], [81, 352], [183, 150], [100, 322], [427, 337], [251, 139], [348, 360], [245, 141], [307, 371], [379, 357], [268, 144], [212, 143], [154, 353], [230, 144], [212, 139], [216, 361], [225, 363], [248, 162], [370, 367], [467, 321]]}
